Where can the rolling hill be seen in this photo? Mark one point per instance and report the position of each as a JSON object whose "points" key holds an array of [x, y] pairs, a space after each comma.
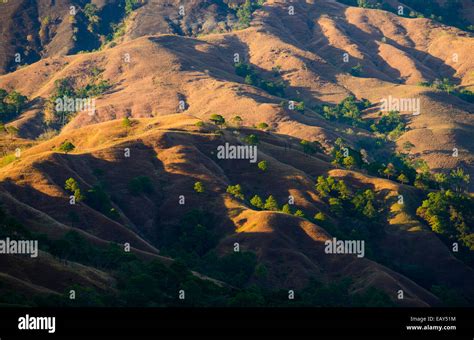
{"points": [[304, 83]]}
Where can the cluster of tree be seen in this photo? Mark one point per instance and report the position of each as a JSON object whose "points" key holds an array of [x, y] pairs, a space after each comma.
{"points": [[362, 207], [251, 139], [348, 111], [276, 88], [72, 186], [310, 148], [93, 89], [97, 27], [286, 208], [257, 202], [346, 156], [236, 191], [398, 167], [270, 203], [450, 214], [152, 284], [245, 11], [297, 105], [448, 86], [65, 88], [96, 197], [457, 180], [448, 12], [391, 125], [92, 14], [365, 3], [11, 105]]}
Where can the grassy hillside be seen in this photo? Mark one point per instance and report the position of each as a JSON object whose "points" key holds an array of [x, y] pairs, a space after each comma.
{"points": [[131, 202]]}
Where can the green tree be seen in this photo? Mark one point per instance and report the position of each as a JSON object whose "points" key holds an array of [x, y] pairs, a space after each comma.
{"points": [[324, 185], [66, 147], [72, 186], [442, 180], [389, 171], [348, 162], [217, 119], [199, 187], [257, 202], [236, 191], [271, 203], [16, 100], [130, 5], [299, 107], [251, 139], [403, 179], [286, 209], [299, 213], [91, 11], [250, 80], [308, 147], [336, 206], [126, 122], [237, 120], [262, 126], [369, 210], [262, 165], [320, 217], [458, 180]]}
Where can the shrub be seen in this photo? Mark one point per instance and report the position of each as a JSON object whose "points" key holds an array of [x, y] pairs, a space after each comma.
{"points": [[199, 187], [320, 217], [66, 147], [271, 203], [299, 213], [126, 122], [11, 105], [236, 191], [251, 139], [72, 186], [286, 209], [262, 165], [257, 202], [217, 119]]}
